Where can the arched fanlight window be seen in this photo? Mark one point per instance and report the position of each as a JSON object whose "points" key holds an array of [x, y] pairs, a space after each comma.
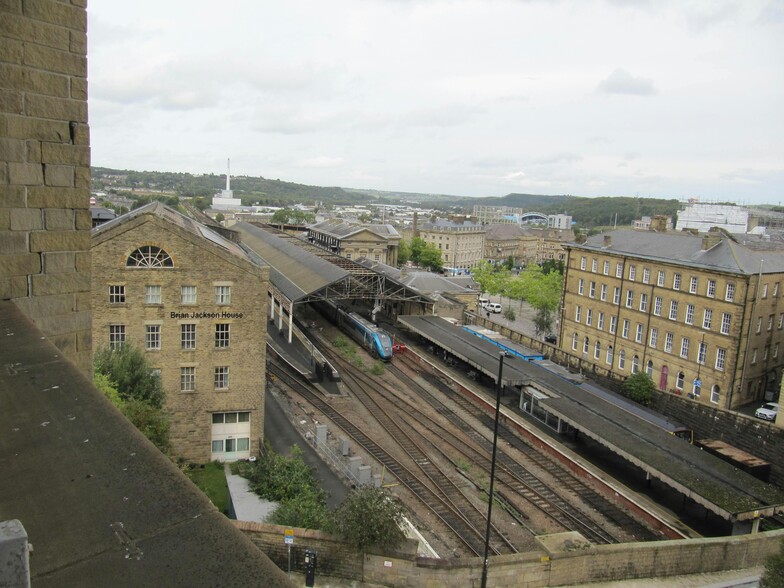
{"points": [[149, 256]]}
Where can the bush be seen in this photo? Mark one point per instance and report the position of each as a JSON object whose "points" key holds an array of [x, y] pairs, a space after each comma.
{"points": [[368, 518], [639, 388], [509, 314], [151, 421], [130, 374]]}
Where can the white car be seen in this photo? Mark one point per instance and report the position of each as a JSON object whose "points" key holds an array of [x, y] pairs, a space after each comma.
{"points": [[494, 307], [767, 411]]}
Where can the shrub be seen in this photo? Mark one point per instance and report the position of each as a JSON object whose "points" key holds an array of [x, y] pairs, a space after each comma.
{"points": [[639, 388], [369, 518]]}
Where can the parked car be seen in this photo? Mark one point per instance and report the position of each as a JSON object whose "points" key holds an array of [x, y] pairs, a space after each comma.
{"points": [[767, 411], [483, 302], [551, 339], [493, 307]]}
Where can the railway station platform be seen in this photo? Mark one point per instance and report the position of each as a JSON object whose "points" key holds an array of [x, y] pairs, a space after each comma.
{"points": [[716, 485]]}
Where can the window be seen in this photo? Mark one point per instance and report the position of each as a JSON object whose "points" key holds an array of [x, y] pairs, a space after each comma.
{"points": [[711, 291], [715, 394], [594, 265], [730, 295], [660, 279], [608, 359], [622, 360], [222, 294], [582, 262], [707, 318], [580, 286], [765, 353], [668, 342], [726, 319], [685, 347], [578, 313], [613, 324], [603, 294], [657, 306], [600, 321], [721, 355], [221, 378], [776, 350], [693, 285], [646, 276], [629, 298], [222, 335], [152, 337], [116, 336], [589, 316], [616, 295], [776, 289], [676, 282], [764, 290], [187, 379], [188, 336], [586, 346], [618, 270], [152, 295], [770, 323], [632, 273], [679, 380], [638, 335], [702, 352], [606, 268], [643, 302], [149, 256], [759, 324], [597, 350], [592, 290], [649, 369], [673, 310], [689, 314], [116, 294], [188, 295], [753, 356], [654, 337], [781, 320], [575, 338], [635, 364], [625, 330]]}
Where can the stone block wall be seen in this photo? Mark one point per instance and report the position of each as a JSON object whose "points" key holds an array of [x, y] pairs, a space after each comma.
{"points": [[534, 569], [45, 169]]}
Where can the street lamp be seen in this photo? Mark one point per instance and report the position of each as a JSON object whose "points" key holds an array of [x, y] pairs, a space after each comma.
{"points": [[499, 388]]}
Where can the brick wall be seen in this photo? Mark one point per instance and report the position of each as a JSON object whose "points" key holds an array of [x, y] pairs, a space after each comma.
{"points": [[534, 569], [45, 169]]}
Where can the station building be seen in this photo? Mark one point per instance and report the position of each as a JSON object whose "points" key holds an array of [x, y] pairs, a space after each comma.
{"points": [[380, 242], [702, 315], [196, 303], [462, 244]]}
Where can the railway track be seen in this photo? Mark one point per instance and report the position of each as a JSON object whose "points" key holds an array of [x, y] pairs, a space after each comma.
{"points": [[444, 510], [565, 480]]}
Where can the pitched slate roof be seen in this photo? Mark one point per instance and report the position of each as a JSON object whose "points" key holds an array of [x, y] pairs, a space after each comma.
{"points": [[686, 249], [341, 229]]}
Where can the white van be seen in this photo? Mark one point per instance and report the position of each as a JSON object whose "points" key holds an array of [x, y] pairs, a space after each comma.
{"points": [[483, 302], [493, 307]]}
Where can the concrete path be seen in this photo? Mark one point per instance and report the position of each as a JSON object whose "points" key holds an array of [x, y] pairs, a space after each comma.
{"points": [[246, 504]]}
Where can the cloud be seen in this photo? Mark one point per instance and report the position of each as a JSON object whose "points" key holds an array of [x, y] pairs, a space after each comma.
{"points": [[559, 158], [622, 82], [322, 161]]}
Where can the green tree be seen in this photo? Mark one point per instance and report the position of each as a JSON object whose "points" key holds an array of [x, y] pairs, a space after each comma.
{"points": [[417, 246], [151, 421], [130, 374], [639, 388], [543, 321], [773, 577], [219, 217], [430, 257], [509, 313], [403, 252], [369, 518], [287, 216]]}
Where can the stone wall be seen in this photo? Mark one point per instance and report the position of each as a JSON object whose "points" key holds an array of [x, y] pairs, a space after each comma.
{"points": [[45, 169], [534, 569]]}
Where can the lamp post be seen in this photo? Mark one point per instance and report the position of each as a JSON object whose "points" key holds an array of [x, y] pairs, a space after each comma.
{"points": [[499, 388]]}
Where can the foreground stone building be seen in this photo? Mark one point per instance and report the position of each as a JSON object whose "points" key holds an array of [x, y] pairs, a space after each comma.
{"points": [[196, 303], [702, 315]]}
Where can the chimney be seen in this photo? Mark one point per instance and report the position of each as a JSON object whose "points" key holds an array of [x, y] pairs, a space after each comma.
{"points": [[607, 240], [415, 225], [711, 238]]}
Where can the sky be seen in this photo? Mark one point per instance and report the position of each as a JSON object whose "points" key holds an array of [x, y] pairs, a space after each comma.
{"points": [[649, 98]]}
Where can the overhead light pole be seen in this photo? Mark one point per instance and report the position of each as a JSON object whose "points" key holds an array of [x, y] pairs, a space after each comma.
{"points": [[499, 388]]}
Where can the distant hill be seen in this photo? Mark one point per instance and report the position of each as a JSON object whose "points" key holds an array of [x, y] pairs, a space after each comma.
{"points": [[588, 212]]}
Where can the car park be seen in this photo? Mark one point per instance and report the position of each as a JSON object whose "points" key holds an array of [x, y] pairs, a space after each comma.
{"points": [[767, 411]]}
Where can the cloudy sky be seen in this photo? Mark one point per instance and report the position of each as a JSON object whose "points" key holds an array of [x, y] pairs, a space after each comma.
{"points": [[656, 98]]}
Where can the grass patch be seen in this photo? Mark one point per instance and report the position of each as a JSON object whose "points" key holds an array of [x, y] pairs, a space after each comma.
{"points": [[211, 480]]}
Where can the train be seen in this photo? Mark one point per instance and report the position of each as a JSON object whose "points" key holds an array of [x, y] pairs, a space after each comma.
{"points": [[377, 341]]}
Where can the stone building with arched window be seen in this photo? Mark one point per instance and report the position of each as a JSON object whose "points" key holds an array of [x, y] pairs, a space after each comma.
{"points": [[196, 303]]}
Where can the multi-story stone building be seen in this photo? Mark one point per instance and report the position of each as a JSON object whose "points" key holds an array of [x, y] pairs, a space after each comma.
{"points": [[461, 243], [540, 244], [379, 243], [196, 303], [502, 242], [700, 314]]}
